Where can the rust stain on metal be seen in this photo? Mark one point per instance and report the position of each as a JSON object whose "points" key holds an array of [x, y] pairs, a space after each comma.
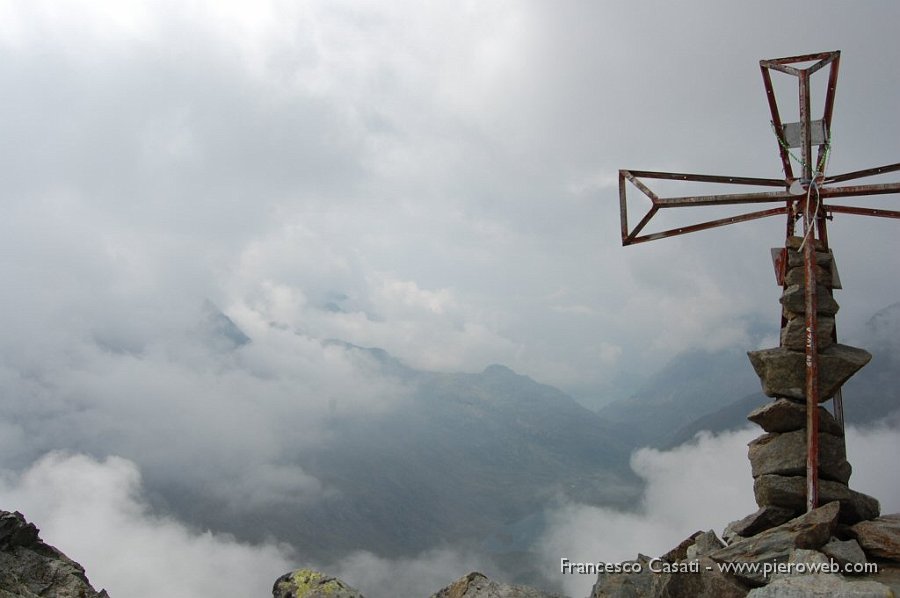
{"points": [[780, 261], [812, 367]]}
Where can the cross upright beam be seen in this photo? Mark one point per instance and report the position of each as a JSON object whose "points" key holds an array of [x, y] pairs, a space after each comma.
{"points": [[802, 195], [806, 124]]}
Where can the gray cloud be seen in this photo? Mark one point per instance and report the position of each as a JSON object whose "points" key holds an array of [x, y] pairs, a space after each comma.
{"points": [[435, 180], [152, 150], [96, 513], [702, 485]]}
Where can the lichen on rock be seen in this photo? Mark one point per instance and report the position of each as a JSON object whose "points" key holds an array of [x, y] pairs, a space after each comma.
{"points": [[308, 583]]}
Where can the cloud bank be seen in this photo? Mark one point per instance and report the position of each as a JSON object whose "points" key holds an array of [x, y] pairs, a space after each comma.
{"points": [[442, 177], [97, 513]]}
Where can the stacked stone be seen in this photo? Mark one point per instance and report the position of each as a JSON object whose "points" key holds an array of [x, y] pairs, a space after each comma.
{"points": [[778, 458]]}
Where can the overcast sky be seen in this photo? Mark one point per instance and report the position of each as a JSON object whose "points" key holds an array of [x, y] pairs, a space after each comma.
{"points": [[444, 173], [437, 179]]}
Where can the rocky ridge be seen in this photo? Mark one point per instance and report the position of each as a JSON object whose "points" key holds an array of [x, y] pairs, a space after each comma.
{"points": [[305, 583], [29, 568], [810, 555], [814, 554], [763, 555], [767, 554]]}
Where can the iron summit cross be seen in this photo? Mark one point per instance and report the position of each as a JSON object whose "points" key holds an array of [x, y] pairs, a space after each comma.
{"points": [[802, 196]]}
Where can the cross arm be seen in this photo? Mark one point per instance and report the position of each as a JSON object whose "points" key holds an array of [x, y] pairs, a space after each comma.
{"points": [[825, 189], [861, 174], [631, 236]]}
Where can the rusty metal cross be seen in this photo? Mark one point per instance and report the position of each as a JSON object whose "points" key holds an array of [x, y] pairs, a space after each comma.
{"points": [[803, 197]]}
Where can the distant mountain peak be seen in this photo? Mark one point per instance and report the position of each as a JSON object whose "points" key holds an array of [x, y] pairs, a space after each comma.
{"points": [[496, 369], [885, 321], [388, 363], [220, 329]]}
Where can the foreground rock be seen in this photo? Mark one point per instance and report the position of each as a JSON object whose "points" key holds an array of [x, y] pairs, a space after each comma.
{"points": [[880, 537], [821, 586], [306, 583], [477, 585], [765, 518], [809, 531], [29, 568], [659, 578], [814, 554], [845, 552], [795, 558]]}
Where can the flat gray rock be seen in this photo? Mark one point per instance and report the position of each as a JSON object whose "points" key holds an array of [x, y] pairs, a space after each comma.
{"points": [[679, 553], [793, 335], [785, 415], [790, 492], [797, 275], [477, 585], [795, 256], [810, 531], [888, 574], [821, 586], [794, 300], [703, 545], [764, 518], [782, 371], [880, 537], [845, 552], [706, 581], [785, 454], [629, 585], [804, 556]]}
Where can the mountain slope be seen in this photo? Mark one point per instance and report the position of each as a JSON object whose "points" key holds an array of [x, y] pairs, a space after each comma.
{"points": [[692, 385], [470, 452], [870, 395], [462, 457]]}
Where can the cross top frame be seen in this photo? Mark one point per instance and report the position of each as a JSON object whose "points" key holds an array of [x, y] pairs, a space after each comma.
{"points": [[794, 189], [803, 195]]}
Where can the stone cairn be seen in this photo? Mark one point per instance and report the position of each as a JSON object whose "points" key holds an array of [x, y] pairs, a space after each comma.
{"points": [[778, 458], [846, 529]]}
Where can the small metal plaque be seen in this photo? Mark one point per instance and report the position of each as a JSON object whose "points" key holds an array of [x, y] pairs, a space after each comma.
{"points": [[793, 137]]}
